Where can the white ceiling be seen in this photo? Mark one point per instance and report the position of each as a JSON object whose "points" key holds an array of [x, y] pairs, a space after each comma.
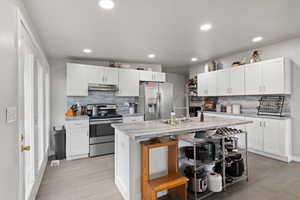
{"points": [[168, 28]]}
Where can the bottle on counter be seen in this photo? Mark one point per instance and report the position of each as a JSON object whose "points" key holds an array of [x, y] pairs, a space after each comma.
{"points": [[173, 118], [202, 116]]}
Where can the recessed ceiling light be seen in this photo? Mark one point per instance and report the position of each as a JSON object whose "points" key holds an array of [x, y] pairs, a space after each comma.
{"points": [[194, 59], [106, 4], [205, 27], [151, 55], [87, 51], [257, 39]]}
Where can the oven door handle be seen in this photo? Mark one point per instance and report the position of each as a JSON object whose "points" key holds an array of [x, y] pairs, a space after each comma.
{"points": [[106, 122]]}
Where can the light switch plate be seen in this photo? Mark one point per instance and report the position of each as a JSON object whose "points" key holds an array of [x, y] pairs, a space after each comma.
{"points": [[11, 114]]}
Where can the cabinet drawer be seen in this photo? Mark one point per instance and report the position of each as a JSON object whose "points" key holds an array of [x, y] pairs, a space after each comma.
{"points": [[102, 149], [133, 119], [78, 124]]}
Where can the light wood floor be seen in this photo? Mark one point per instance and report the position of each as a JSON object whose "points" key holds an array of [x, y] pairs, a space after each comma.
{"points": [[85, 179], [93, 179]]}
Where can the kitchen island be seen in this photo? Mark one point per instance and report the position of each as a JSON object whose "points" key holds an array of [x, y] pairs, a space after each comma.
{"points": [[128, 155]]}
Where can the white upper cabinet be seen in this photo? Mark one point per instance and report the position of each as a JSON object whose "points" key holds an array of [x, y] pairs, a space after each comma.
{"points": [[231, 81], [237, 80], [94, 74], [110, 76], [77, 84], [102, 75], [268, 77], [152, 76], [146, 75], [276, 76], [160, 76], [207, 84], [129, 82], [202, 84], [253, 79], [223, 82]]}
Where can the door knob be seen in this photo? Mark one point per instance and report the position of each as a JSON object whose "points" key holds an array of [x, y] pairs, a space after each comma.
{"points": [[25, 148]]}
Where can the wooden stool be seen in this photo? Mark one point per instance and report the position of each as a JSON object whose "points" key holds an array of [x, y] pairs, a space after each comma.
{"points": [[174, 182]]}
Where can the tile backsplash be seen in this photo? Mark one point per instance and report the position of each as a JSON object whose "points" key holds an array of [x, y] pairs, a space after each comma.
{"points": [[249, 104], [97, 97]]}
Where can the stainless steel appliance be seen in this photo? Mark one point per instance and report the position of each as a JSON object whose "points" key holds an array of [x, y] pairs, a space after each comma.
{"points": [[102, 87], [101, 132], [156, 100]]}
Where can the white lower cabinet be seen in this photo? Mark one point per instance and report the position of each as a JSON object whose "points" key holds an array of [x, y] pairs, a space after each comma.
{"points": [[275, 137], [270, 137], [77, 139], [255, 134], [267, 137]]}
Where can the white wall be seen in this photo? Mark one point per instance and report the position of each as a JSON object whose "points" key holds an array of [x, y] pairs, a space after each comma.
{"points": [[8, 91], [289, 49]]}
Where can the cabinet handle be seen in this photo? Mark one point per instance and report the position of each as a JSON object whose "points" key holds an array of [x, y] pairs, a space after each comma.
{"points": [[265, 124], [88, 134], [259, 123]]}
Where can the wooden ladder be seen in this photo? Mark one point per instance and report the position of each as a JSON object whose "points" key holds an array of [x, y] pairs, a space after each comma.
{"points": [[174, 182]]}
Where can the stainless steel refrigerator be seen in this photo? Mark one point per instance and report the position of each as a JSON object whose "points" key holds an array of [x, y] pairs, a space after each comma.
{"points": [[156, 100]]}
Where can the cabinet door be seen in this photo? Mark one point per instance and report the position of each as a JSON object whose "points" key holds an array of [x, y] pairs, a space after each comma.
{"points": [[128, 82], [202, 84], [274, 136], [146, 76], [111, 76], [212, 83], [95, 74], [273, 76], [255, 134], [160, 76], [77, 84], [253, 79], [79, 141], [223, 82], [237, 80]]}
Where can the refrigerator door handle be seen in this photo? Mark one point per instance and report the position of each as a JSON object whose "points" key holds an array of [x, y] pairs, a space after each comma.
{"points": [[158, 104]]}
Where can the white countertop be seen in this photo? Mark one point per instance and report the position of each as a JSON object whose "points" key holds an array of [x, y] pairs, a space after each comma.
{"points": [[152, 129], [254, 115]]}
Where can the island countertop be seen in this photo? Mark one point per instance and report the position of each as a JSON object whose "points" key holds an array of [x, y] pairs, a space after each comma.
{"points": [[157, 128]]}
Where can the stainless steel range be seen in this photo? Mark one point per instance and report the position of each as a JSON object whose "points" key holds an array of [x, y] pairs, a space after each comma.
{"points": [[101, 132]]}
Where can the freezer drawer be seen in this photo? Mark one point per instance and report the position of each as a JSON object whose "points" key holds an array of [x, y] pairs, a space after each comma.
{"points": [[102, 149]]}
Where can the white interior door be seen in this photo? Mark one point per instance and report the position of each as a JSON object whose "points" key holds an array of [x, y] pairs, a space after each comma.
{"points": [[27, 158]]}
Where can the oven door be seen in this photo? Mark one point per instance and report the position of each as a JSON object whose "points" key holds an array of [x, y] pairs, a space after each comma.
{"points": [[102, 131]]}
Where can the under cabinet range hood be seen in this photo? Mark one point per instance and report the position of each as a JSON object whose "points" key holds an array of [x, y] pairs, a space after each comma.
{"points": [[102, 87]]}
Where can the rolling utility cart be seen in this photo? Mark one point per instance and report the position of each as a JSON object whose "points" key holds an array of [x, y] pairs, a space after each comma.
{"points": [[221, 137]]}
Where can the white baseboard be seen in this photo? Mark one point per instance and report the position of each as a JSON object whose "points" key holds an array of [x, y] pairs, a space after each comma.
{"points": [[39, 179], [122, 188], [281, 158], [296, 159]]}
